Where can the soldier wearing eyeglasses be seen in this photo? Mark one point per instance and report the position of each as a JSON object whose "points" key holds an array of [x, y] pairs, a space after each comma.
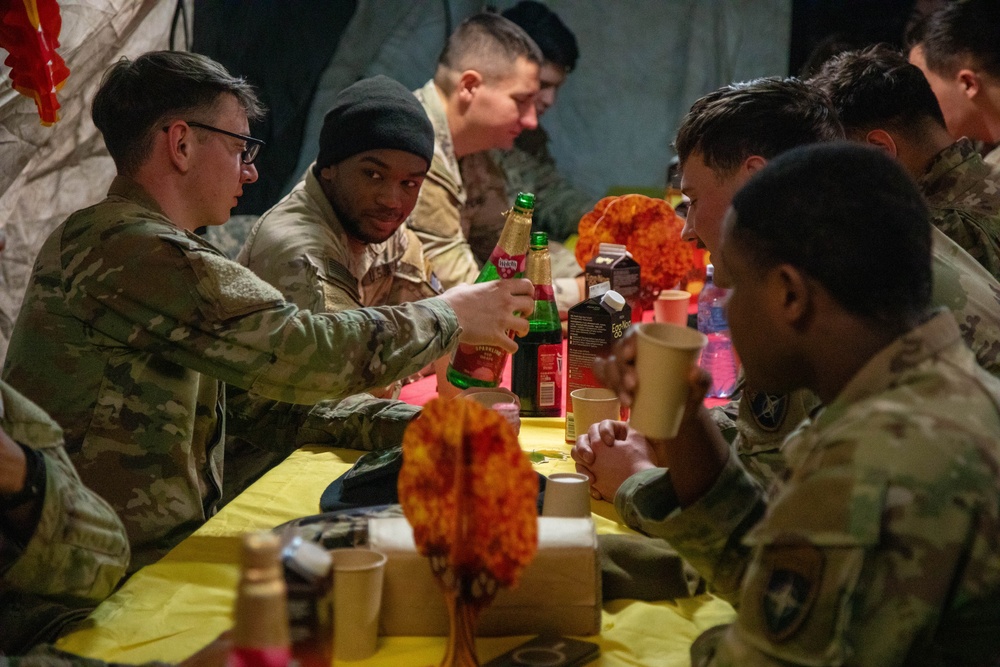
{"points": [[132, 324]]}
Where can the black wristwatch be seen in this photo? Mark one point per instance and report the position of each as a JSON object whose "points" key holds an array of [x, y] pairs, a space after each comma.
{"points": [[34, 483]]}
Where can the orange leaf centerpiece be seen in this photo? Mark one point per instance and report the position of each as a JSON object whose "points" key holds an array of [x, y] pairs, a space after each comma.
{"points": [[470, 494], [649, 229]]}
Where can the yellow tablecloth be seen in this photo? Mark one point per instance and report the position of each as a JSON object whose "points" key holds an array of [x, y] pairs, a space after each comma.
{"points": [[170, 609]]}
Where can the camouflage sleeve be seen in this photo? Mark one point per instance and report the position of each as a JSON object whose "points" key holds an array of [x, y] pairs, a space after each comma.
{"points": [[358, 422], [174, 297], [49, 656], [79, 549], [559, 204], [763, 423], [707, 533], [980, 237], [436, 222]]}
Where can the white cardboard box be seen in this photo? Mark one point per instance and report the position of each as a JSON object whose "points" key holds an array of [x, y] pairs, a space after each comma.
{"points": [[559, 592]]}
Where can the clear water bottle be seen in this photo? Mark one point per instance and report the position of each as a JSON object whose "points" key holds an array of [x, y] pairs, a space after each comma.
{"points": [[717, 357]]}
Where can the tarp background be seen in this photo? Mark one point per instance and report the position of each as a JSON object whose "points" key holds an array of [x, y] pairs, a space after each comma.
{"points": [[642, 64]]}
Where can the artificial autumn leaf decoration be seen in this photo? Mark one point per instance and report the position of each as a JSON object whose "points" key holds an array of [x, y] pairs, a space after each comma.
{"points": [[649, 229], [470, 494]]}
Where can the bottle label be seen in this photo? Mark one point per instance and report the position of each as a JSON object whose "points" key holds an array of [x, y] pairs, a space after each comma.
{"points": [[717, 318], [480, 362], [244, 656], [508, 266], [544, 293], [549, 388]]}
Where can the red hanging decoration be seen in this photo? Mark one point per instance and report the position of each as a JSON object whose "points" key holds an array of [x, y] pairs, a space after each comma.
{"points": [[29, 32]]}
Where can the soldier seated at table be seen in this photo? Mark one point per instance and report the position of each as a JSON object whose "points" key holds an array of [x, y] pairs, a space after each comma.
{"points": [[878, 544], [883, 100], [493, 178], [132, 324], [482, 96]]}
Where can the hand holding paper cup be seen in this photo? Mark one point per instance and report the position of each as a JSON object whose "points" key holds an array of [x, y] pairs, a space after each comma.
{"points": [[671, 307], [664, 355]]}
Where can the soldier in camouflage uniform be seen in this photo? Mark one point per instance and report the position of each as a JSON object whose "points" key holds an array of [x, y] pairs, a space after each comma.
{"points": [[62, 548], [481, 97], [956, 48], [878, 543], [132, 323], [883, 100], [493, 178]]}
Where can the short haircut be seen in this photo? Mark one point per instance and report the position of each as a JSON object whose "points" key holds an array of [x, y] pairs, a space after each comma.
{"points": [[137, 96], [877, 88], [763, 117], [487, 43], [960, 33], [847, 215], [557, 42]]}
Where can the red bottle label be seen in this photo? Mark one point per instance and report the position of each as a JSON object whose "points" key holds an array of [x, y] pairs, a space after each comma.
{"points": [[245, 656], [508, 266], [549, 388], [480, 362]]}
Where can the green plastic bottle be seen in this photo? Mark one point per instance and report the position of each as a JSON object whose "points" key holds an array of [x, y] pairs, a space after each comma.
{"points": [[482, 365], [536, 375]]}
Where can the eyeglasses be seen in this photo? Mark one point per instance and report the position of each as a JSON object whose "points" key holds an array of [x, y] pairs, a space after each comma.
{"points": [[249, 153]]}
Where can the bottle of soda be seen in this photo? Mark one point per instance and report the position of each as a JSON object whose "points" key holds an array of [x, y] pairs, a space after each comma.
{"points": [[260, 630], [536, 376], [482, 365], [718, 356]]}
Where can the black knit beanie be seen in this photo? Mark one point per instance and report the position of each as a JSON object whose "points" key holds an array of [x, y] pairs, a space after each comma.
{"points": [[374, 113]]}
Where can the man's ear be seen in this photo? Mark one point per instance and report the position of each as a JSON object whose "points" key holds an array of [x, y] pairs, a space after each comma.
{"points": [[179, 145], [329, 172], [882, 140], [969, 81], [795, 295], [753, 164], [468, 84]]}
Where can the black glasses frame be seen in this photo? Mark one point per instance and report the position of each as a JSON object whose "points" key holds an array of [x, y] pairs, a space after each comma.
{"points": [[249, 153]]}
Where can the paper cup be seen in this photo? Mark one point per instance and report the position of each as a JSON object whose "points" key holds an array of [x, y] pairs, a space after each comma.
{"points": [[663, 358], [357, 601], [593, 405], [502, 400], [671, 307], [567, 494]]}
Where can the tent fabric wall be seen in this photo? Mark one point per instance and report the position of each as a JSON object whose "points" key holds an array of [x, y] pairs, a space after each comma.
{"points": [[46, 173], [642, 64]]}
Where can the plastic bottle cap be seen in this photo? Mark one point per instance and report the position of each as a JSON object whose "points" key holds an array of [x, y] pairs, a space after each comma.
{"points": [[613, 299], [709, 271], [307, 558]]}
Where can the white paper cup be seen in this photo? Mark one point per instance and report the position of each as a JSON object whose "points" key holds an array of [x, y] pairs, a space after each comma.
{"points": [[592, 405], [671, 307], [663, 358], [567, 494], [502, 400], [357, 601]]}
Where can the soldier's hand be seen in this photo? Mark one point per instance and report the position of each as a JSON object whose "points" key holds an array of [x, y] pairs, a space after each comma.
{"points": [[617, 370], [487, 311], [609, 453]]}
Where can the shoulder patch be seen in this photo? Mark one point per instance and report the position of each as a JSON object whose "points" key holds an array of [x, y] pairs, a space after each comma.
{"points": [[793, 581], [768, 410]]}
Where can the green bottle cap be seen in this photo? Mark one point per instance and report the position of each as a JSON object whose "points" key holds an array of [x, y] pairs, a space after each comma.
{"points": [[525, 200], [539, 239]]}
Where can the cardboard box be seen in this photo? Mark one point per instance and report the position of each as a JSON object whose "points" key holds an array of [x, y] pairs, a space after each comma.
{"points": [[614, 264], [592, 328], [559, 591]]}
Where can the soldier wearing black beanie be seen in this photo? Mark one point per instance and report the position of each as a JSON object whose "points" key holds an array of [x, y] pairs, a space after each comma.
{"points": [[374, 113]]}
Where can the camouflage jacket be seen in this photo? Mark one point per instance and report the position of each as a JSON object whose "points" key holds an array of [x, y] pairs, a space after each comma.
{"points": [[758, 423], [78, 551], [49, 656], [963, 194], [131, 326], [300, 247], [878, 545], [437, 217]]}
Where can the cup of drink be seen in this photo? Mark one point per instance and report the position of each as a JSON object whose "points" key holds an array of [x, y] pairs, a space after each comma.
{"points": [[502, 401], [592, 405], [664, 356], [671, 307], [567, 494], [357, 601]]}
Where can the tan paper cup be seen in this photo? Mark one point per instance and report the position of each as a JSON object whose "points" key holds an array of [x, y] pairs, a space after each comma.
{"points": [[357, 601], [671, 307], [664, 355], [593, 405], [567, 494]]}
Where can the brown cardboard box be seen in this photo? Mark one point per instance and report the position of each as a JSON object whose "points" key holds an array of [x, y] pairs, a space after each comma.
{"points": [[559, 591], [592, 328], [614, 264]]}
